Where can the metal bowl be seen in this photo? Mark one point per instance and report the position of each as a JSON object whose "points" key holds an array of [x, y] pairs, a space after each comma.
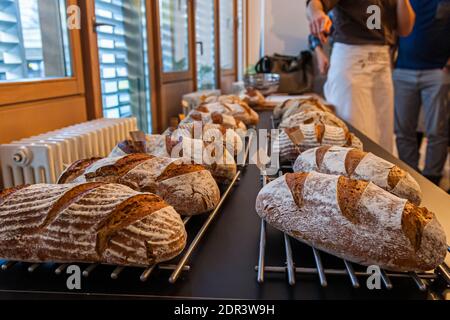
{"points": [[266, 83]]}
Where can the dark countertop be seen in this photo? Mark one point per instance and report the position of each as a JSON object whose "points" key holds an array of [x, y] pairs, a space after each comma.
{"points": [[223, 264]]}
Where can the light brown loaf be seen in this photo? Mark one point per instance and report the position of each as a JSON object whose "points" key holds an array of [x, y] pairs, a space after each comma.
{"points": [[354, 220], [359, 165], [190, 189], [88, 223]]}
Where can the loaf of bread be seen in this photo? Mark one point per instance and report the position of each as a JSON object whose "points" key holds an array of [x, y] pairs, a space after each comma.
{"points": [[88, 223], [191, 150], [359, 165], [230, 105], [354, 220], [310, 102], [294, 141], [254, 98], [313, 117], [189, 188], [224, 120], [209, 133]]}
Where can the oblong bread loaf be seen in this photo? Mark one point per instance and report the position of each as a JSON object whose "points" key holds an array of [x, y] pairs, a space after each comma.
{"points": [[88, 223], [359, 165], [354, 220]]}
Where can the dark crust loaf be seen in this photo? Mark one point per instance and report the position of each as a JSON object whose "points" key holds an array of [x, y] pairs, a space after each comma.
{"points": [[175, 170], [354, 220], [89, 223], [189, 188], [121, 167], [76, 170]]}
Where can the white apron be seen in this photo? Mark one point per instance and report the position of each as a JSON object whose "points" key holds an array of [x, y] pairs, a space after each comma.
{"points": [[360, 86]]}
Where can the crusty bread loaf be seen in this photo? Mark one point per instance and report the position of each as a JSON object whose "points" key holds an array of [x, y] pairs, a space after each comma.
{"points": [[190, 189], [233, 106], [209, 133], [309, 102], [354, 220], [223, 171], [254, 98], [294, 141], [359, 165], [88, 223]]}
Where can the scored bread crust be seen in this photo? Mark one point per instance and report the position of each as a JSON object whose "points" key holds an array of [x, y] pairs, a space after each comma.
{"points": [[354, 220], [146, 173], [89, 223], [356, 164]]}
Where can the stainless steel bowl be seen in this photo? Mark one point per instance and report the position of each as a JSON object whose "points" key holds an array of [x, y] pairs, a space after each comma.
{"points": [[266, 83]]}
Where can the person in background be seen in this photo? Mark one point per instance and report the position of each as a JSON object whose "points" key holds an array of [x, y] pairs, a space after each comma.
{"points": [[322, 54], [360, 77], [422, 80]]}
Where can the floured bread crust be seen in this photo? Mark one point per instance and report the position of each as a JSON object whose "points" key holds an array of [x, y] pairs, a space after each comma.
{"points": [[353, 220]]}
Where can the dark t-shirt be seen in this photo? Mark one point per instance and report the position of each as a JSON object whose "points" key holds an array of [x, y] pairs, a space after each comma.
{"points": [[351, 21], [428, 46]]}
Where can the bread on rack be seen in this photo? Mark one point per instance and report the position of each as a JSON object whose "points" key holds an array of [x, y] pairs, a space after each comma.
{"points": [[189, 188], [217, 118], [88, 223], [223, 170], [354, 220], [209, 133], [230, 105], [254, 98], [310, 102], [359, 165], [310, 132]]}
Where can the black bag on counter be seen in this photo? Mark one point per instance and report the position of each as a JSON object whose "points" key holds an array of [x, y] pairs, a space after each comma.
{"points": [[297, 73]]}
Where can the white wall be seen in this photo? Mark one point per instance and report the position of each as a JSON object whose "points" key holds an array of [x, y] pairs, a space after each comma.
{"points": [[286, 27]]}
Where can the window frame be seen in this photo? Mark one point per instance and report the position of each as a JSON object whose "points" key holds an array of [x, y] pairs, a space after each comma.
{"points": [[29, 90], [169, 77], [234, 70]]}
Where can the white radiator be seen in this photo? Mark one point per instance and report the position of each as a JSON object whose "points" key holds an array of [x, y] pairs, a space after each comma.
{"points": [[42, 158]]}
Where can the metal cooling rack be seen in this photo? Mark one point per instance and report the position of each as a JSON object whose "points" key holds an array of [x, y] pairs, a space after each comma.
{"points": [[420, 279], [177, 269]]}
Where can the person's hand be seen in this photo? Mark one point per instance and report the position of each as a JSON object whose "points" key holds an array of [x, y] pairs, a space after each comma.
{"points": [[320, 25], [323, 62]]}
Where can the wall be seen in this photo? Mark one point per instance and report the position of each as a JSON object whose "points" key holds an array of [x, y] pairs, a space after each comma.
{"points": [[24, 120], [286, 26]]}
